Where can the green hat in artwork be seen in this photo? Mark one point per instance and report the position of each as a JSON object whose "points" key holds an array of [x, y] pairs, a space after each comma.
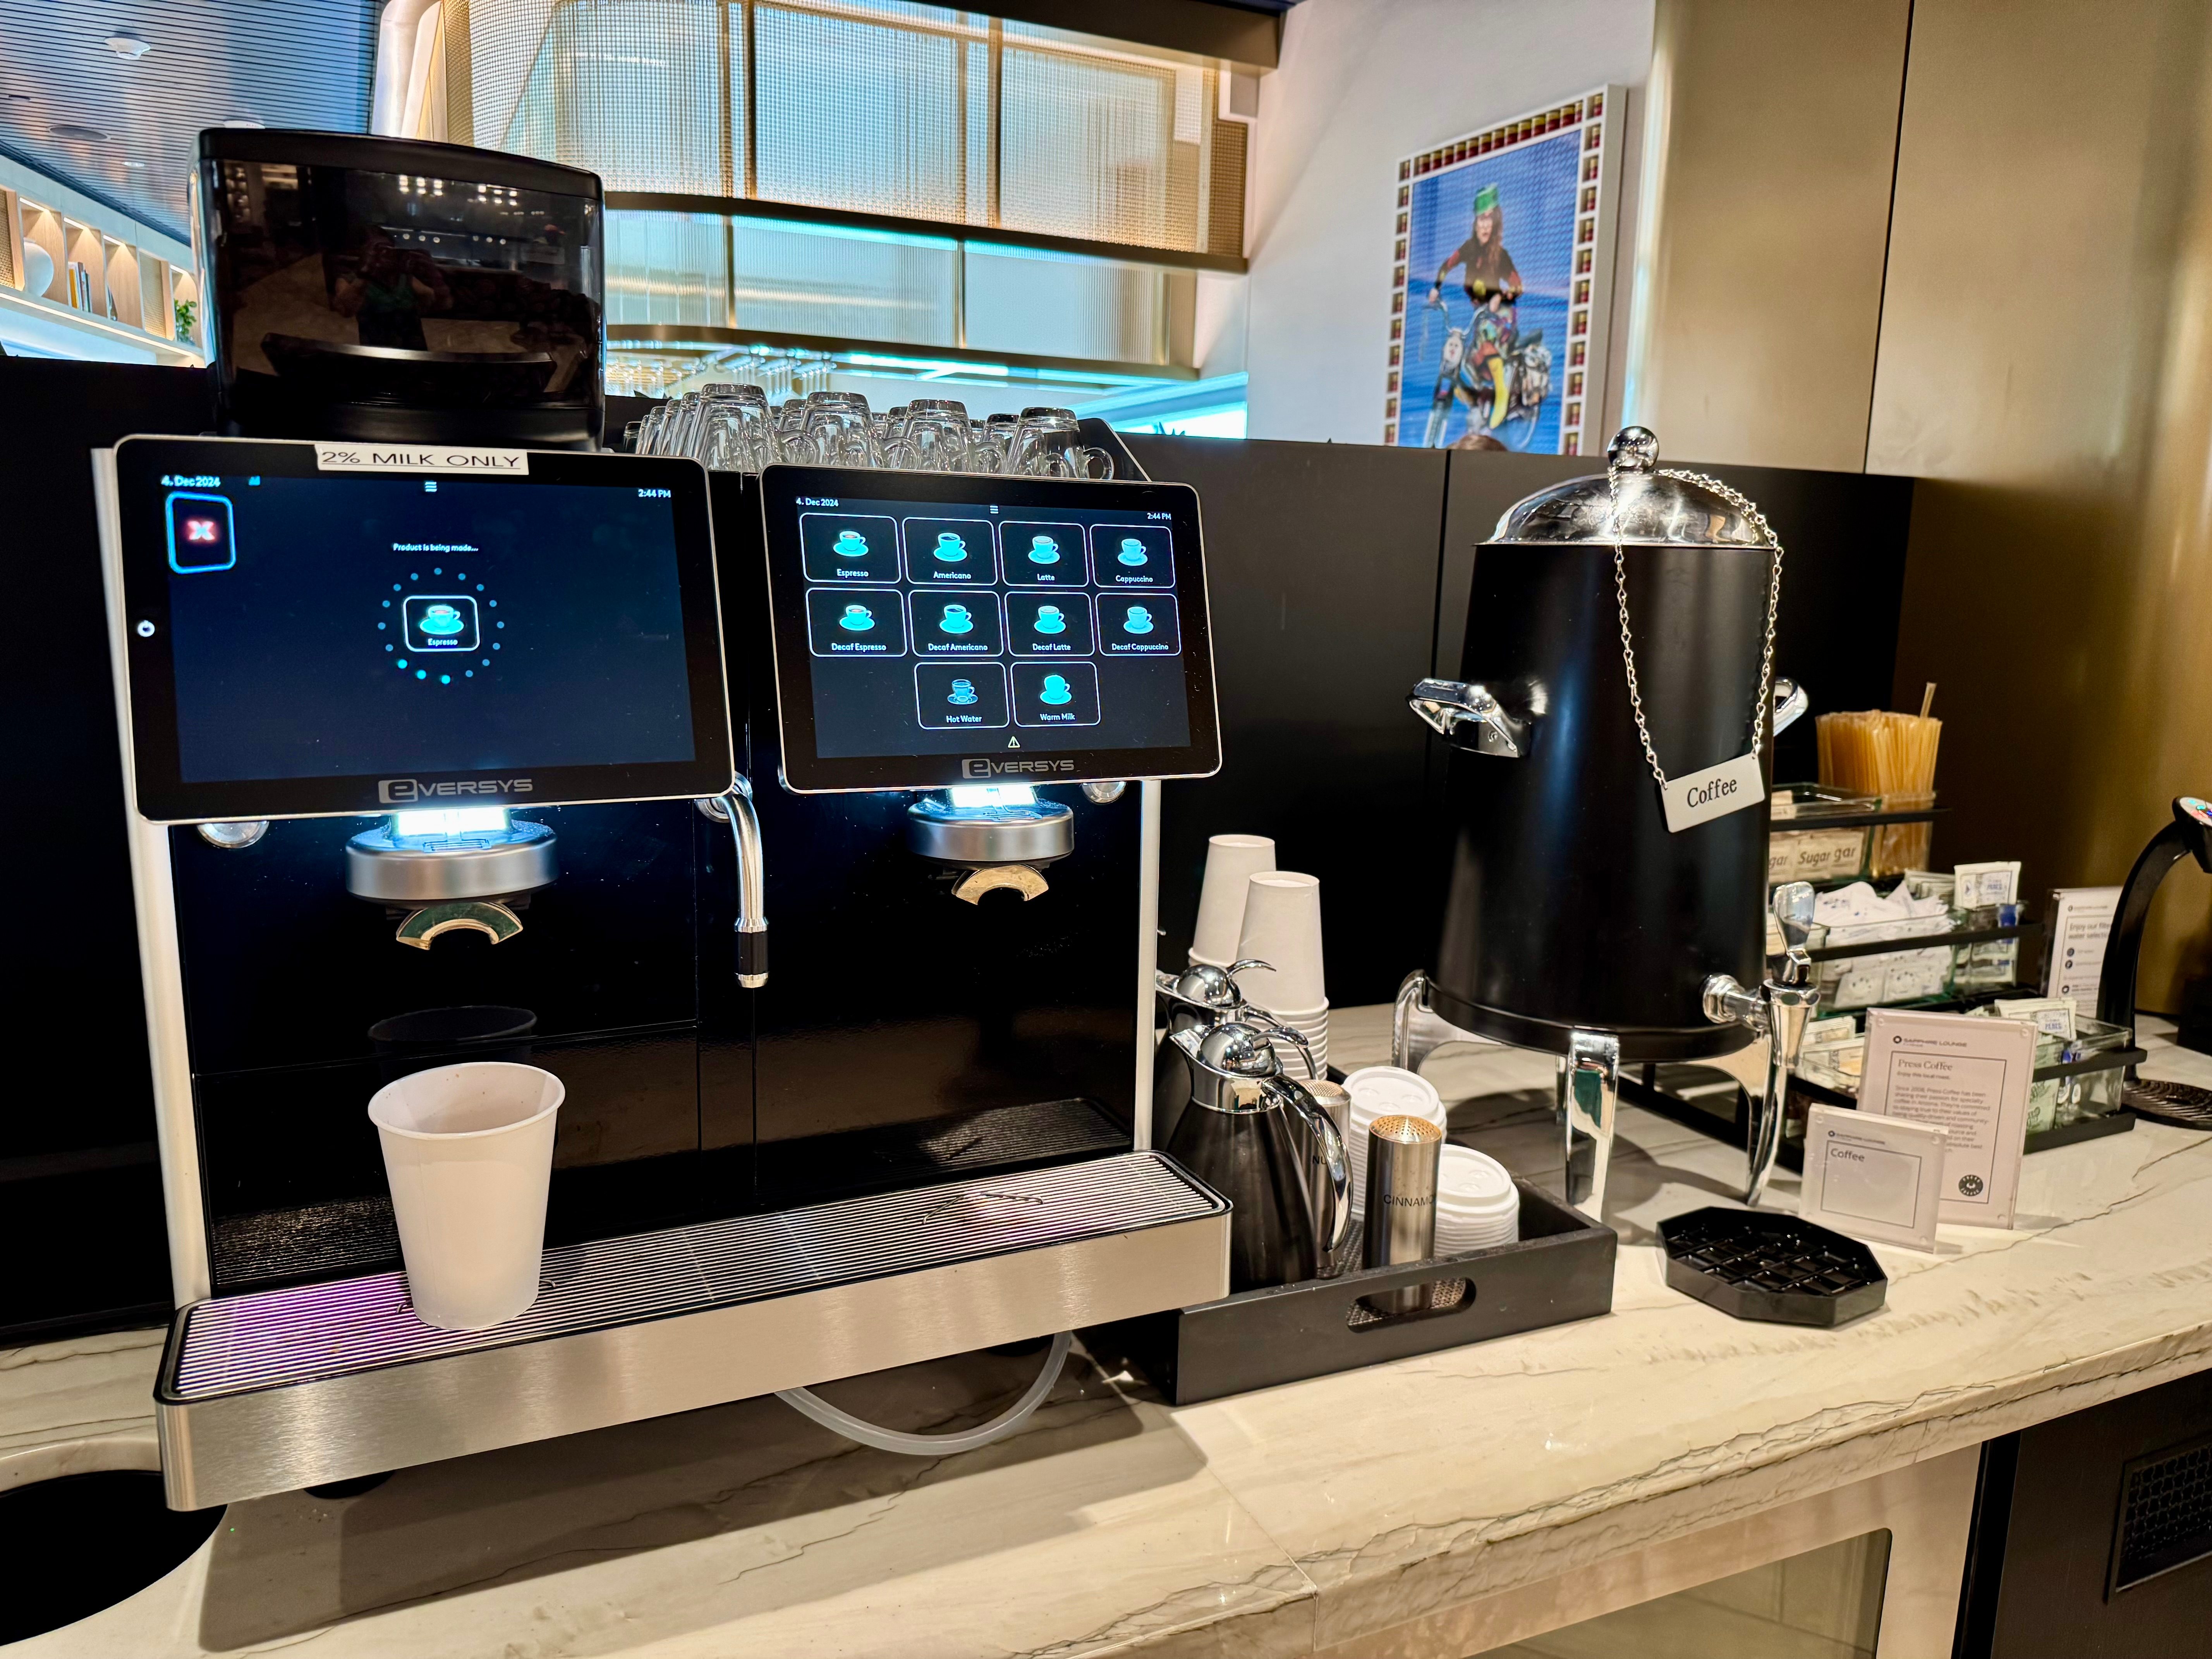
{"points": [[1485, 199]]}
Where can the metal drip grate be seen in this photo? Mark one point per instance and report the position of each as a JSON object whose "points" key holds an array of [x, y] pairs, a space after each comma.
{"points": [[274, 1339], [2166, 1514]]}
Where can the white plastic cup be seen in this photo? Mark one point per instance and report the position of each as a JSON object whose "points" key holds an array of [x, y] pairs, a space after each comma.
{"points": [[1282, 927], [468, 1151], [1230, 862]]}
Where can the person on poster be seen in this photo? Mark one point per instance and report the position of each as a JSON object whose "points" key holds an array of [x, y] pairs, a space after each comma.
{"points": [[1491, 279], [1486, 366]]}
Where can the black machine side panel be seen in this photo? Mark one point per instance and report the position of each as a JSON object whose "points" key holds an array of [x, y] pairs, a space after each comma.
{"points": [[80, 1187]]}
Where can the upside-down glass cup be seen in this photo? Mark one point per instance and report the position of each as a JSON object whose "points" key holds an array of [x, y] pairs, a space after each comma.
{"points": [[1049, 444], [839, 431], [932, 437], [735, 432]]}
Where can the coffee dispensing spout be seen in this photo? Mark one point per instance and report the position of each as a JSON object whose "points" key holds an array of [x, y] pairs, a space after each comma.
{"points": [[1778, 1011], [1001, 835], [464, 870]]}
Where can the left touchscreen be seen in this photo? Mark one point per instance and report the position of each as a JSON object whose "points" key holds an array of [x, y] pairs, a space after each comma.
{"points": [[335, 629]]}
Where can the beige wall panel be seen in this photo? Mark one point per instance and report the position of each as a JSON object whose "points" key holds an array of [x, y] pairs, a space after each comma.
{"points": [[2045, 366], [1768, 148]]}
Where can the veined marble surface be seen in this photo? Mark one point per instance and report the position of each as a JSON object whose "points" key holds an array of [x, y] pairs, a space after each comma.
{"points": [[1317, 1516]]}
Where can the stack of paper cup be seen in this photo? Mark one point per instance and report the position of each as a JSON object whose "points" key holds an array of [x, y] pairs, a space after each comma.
{"points": [[1230, 862], [1385, 1091], [1478, 1206], [1282, 928]]}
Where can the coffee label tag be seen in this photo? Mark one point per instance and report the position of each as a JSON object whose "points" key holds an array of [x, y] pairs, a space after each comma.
{"points": [[1698, 798]]}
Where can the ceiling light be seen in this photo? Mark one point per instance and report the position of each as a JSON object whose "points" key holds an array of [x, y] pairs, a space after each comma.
{"points": [[128, 46], [70, 133], [242, 122]]}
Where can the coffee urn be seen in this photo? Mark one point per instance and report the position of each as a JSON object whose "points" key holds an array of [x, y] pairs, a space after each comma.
{"points": [[1610, 732]]}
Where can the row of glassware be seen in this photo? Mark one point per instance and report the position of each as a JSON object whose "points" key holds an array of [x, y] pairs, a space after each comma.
{"points": [[734, 428]]}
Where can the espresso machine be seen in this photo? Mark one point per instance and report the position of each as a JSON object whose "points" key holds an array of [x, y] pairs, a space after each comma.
{"points": [[1611, 752], [449, 737]]}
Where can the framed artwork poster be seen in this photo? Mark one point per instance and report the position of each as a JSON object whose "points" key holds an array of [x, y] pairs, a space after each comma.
{"points": [[1502, 278]]}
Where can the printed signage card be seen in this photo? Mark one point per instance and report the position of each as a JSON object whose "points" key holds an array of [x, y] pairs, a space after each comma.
{"points": [[1968, 1077], [2081, 921], [1873, 1177]]}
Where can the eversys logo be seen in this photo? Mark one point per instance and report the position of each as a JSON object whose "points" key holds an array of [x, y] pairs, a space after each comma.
{"points": [[406, 792], [990, 767]]}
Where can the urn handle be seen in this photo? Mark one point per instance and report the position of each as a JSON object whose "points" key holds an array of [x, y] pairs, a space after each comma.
{"points": [[1469, 715]]}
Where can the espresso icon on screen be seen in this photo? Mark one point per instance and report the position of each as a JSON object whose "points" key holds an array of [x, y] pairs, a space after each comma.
{"points": [[951, 548], [1138, 620], [962, 693], [1051, 619], [855, 622], [1043, 550], [1133, 551], [849, 547], [956, 619], [1056, 690]]}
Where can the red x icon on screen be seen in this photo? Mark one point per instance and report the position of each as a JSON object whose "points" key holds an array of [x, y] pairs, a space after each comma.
{"points": [[199, 530]]}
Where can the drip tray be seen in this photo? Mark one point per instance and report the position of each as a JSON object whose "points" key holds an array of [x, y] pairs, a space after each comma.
{"points": [[282, 1389]]}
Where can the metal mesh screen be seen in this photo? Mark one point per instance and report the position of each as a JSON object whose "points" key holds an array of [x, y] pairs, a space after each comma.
{"points": [[1085, 149], [861, 115], [908, 110], [637, 91], [2166, 1514]]}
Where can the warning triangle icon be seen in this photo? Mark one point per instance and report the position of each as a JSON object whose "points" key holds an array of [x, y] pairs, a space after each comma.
{"points": [[1013, 742]]}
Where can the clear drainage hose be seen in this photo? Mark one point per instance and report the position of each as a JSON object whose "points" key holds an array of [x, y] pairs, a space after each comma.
{"points": [[807, 1403]]}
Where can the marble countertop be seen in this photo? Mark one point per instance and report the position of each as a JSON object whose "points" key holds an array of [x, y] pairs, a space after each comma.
{"points": [[1328, 1514]]}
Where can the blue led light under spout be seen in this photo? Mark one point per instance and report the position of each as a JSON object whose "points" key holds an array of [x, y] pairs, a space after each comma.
{"points": [[447, 820], [993, 794]]}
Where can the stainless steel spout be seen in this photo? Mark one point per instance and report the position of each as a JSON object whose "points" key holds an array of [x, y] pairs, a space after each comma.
{"points": [[1778, 1011]]}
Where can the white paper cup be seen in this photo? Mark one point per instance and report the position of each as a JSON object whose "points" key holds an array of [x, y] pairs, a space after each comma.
{"points": [[1230, 862], [468, 1151], [1282, 927]]}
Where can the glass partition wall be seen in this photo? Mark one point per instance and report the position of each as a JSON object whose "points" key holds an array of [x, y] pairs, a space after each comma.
{"points": [[866, 186]]}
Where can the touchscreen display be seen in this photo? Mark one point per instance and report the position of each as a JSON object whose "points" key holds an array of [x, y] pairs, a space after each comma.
{"points": [[1060, 622], [320, 627]]}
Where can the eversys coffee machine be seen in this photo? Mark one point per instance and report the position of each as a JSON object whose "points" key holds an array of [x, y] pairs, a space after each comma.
{"points": [[448, 738]]}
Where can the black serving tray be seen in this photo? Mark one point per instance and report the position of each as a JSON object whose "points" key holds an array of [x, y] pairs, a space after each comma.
{"points": [[1561, 1269]]}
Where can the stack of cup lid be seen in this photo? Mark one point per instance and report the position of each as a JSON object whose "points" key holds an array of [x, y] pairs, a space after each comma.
{"points": [[1282, 928], [1478, 1205], [1384, 1092]]}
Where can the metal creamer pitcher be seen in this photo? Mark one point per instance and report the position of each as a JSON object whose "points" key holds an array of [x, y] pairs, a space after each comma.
{"points": [[1262, 1142]]}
